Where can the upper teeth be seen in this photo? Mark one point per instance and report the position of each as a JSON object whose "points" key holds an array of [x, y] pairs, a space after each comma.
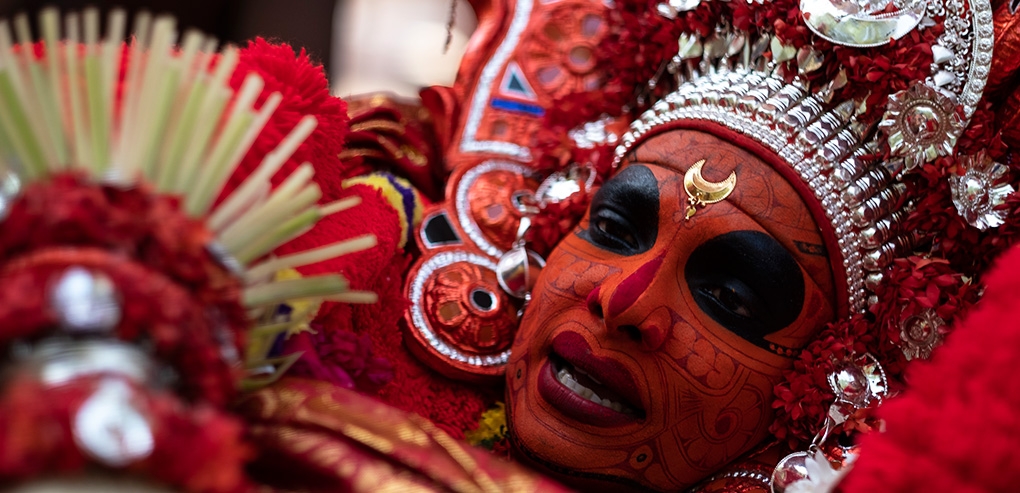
{"points": [[567, 379]]}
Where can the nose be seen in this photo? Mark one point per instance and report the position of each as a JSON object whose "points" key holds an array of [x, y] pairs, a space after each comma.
{"points": [[626, 307]]}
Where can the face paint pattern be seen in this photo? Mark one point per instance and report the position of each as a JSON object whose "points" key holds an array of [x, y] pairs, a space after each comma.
{"points": [[615, 315]]}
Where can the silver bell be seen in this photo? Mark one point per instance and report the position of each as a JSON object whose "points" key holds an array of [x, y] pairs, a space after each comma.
{"points": [[517, 271]]}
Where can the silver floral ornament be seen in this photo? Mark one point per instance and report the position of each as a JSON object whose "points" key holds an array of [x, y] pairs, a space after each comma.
{"points": [[981, 189], [921, 124], [920, 334], [562, 185], [859, 381], [594, 133], [110, 427], [85, 302]]}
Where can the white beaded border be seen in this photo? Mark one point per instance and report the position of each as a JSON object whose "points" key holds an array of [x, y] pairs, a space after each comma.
{"points": [[522, 11], [420, 322], [464, 210], [981, 55]]}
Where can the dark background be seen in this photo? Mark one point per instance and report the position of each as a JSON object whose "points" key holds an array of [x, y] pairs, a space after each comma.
{"points": [[307, 23]]}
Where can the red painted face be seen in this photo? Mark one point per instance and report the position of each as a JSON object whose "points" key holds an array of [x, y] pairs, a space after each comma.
{"points": [[681, 325]]}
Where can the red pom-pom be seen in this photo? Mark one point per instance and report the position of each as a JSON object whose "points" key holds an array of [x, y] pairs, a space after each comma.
{"points": [[305, 92]]}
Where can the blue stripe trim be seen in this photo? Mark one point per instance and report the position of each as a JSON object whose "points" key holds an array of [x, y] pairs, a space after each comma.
{"points": [[517, 107]]}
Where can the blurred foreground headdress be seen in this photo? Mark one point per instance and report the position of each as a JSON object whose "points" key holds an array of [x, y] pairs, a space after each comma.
{"points": [[132, 279]]}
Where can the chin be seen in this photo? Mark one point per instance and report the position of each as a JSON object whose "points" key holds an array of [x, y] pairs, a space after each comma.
{"points": [[579, 480]]}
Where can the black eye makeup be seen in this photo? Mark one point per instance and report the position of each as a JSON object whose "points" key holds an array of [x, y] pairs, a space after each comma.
{"points": [[747, 282], [624, 213]]}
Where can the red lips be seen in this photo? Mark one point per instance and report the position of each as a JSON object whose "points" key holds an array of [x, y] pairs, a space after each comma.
{"points": [[616, 383]]}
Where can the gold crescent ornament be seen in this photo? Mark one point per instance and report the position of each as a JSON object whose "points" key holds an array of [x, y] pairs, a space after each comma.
{"points": [[701, 192]]}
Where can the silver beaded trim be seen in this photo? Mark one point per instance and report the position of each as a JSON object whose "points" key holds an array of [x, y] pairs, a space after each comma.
{"points": [[464, 210], [981, 58], [418, 317], [492, 69], [967, 41], [756, 476]]}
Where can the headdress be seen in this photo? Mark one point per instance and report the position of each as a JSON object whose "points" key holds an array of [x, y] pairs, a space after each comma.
{"points": [[876, 112], [137, 266]]}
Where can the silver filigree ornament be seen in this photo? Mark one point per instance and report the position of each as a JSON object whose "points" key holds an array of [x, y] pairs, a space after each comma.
{"points": [[921, 124], [110, 427], [980, 190], [921, 334], [859, 381], [85, 302], [862, 23], [518, 268]]}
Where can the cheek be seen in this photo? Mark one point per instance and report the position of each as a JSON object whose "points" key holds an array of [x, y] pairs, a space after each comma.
{"points": [[715, 399], [573, 271]]}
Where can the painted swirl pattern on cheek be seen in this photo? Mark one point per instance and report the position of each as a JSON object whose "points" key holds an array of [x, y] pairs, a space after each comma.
{"points": [[584, 274], [720, 408]]}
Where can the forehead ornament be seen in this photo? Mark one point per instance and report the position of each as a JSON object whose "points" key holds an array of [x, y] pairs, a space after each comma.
{"points": [[701, 192]]}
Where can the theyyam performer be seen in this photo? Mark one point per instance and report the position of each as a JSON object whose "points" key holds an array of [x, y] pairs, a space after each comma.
{"points": [[637, 245]]}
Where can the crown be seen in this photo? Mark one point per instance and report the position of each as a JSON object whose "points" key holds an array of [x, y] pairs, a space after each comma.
{"points": [[850, 157]]}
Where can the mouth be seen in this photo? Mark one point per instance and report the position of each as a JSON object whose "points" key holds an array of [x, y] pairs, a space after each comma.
{"points": [[586, 388]]}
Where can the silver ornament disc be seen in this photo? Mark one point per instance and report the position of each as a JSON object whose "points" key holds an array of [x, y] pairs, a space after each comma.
{"points": [[85, 302], [110, 428]]}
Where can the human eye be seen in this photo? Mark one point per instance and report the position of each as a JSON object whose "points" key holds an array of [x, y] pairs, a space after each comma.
{"points": [[624, 214], [612, 231], [747, 282], [731, 300]]}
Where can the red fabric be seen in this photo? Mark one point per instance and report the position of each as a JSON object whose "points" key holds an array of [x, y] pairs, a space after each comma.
{"points": [[957, 427], [326, 438]]}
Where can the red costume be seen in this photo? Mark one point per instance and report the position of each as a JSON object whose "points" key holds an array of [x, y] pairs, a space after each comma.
{"points": [[805, 200]]}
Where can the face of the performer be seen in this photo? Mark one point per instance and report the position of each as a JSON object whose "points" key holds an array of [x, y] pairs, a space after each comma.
{"points": [[648, 354]]}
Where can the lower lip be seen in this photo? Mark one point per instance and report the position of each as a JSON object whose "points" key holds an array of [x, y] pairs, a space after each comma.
{"points": [[574, 406]]}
